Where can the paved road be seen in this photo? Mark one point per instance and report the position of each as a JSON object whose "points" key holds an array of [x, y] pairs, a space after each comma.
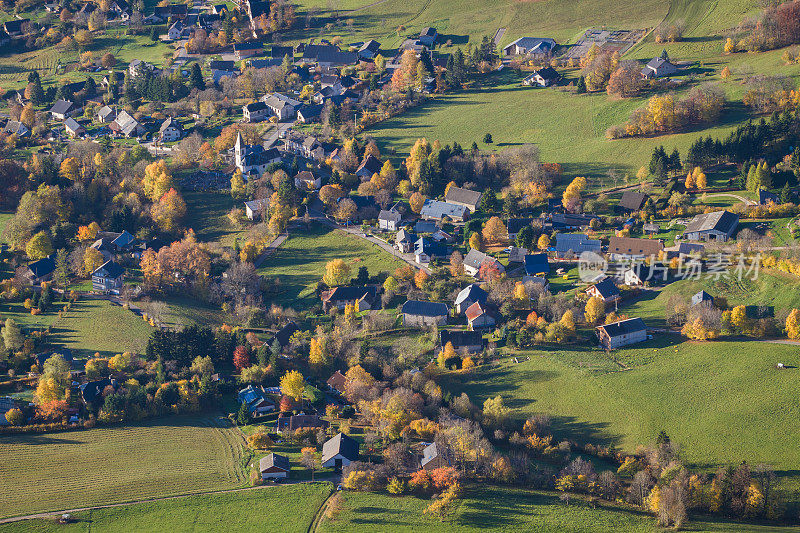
{"points": [[270, 249], [275, 136], [498, 36]]}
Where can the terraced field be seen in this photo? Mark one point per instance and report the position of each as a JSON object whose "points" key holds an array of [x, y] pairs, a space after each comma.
{"points": [[176, 455]]}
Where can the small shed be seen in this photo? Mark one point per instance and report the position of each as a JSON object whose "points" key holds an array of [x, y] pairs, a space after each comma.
{"points": [[274, 466]]}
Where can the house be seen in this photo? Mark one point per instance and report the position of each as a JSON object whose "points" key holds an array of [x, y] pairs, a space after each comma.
{"points": [[366, 208], [340, 297], [369, 166], [463, 197], [126, 125], [606, 290], [106, 114], [309, 113], [702, 297], [179, 30], [65, 354], [339, 451], [432, 459], [516, 254], [437, 210], [15, 127], [279, 52], [544, 77], [15, 27], [170, 130], [337, 382], [328, 55], [622, 333], [221, 65], [218, 73], [427, 37], [256, 208], [92, 391], [404, 240], [426, 250], [255, 111], [255, 399], [475, 260], [295, 422], [369, 50], [422, 313], [479, 316], [529, 45], [274, 466], [650, 228], [569, 221], [389, 219], [442, 236], [719, 226], [631, 201], [469, 295], [305, 179], [639, 273], [684, 250], [659, 67], [469, 341], [425, 226], [631, 247], [281, 106], [253, 160], [137, 65], [114, 77], [41, 269], [568, 244], [765, 197], [245, 50], [108, 278], [63, 109], [536, 264]]}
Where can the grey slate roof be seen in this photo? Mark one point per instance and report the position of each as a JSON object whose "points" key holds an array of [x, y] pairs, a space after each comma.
{"points": [[723, 221], [420, 308], [701, 297], [341, 444], [536, 264], [577, 242], [61, 107], [475, 258], [606, 288], [459, 338], [438, 210], [430, 453], [110, 270], [624, 327], [463, 196], [273, 459], [43, 267], [390, 215], [472, 293], [632, 200]]}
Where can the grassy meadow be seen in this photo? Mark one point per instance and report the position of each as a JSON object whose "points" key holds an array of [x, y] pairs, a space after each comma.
{"points": [[207, 216], [159, 457], [299, 264]]}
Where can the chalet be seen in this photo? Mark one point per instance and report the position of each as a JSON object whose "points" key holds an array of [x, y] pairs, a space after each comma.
{"points": [[41, 269], [106, 114], [369, 50], [659, 67], [389, 219], [479, 316], [108, 278], [274, 466], [544, 77], [426, 249], [436, 210], [568, 244], [306, 180], [126, 125], [702, 297], [255, 398], [256, 208], [469, 341], [337, 382], [631, 201], [427, 37], [606, 290], [536, 264], [717, 226], [421, 313], [245, 50], [295, 422], [369, 166], [15, 127], [339, 451], [253, 160], [64, 109], [432, 459], [404, 241], [463, 197], [255, 111], [170, 130], [631, 247], [469, 295], [529, 46], [475, 260], [340, 297], [281, 106], [622, 333]]}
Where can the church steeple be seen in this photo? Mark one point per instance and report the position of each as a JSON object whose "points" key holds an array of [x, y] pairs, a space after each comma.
{"points": [[239, 149]]}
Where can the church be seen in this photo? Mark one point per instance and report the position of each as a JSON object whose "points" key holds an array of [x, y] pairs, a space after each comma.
{"points": [[253, 160]]}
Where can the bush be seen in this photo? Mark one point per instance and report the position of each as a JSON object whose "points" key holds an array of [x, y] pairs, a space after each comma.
{"points": [[15, 417], [259, 441], [396, 486]]}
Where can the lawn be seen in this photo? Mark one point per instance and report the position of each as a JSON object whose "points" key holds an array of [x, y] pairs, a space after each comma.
{"points": [[299, 263], [722, 402], [500, 509], [208, 216], [289, 509], [177, 455], [178, 312]]}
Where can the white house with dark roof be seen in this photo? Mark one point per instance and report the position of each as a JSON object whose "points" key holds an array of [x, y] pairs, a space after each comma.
{"points": [[106, 114], [126, 125], [281, 105], [108, 278], [339, 451], [529, 45], [659, 67], [16, 127], [255, 111], [437, 210], [274, 466], [622, 333], [170, 130], [389, 219], [475, 259], [717, 226], [73, 127], [63, 109], [469, 295]]}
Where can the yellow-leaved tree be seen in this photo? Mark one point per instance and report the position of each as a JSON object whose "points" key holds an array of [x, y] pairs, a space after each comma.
{"points": [[595, 309], [337, 272], [293, 385], [793, 324]]}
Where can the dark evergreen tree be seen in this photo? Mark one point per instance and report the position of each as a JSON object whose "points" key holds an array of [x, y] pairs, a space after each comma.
{"points": [[581, 86], [196, 78]]}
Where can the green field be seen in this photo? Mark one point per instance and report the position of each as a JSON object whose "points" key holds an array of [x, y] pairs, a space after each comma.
{"points": [[207, 216], [502, 509], [299, 263], [177, 455], [722, 402], [178, 312]]}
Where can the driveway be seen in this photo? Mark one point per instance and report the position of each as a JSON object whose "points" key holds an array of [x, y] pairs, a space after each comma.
{"points": [[273, 137]]}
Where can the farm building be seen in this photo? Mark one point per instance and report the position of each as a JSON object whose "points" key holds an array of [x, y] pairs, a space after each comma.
{"points": [[339, 451], [544, 77], [428, 36], [463, 197], [63, 109], [529, 45], [256, 401], [606, 290], [337, 382], [274, 466], [470, 341], [469, 295], [716, 226], [622, 333], [432, 459], [421, 313], [631, 247], [369, 49], [41, 269], [255, 111], [73, 127]]}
